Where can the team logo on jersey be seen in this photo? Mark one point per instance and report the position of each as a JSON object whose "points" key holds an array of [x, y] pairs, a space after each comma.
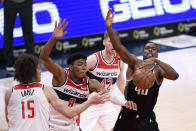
{"points": [[75, 93], [103, 73]]}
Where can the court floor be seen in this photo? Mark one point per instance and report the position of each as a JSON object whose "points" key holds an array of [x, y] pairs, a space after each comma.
{"points": [[176, 106]]}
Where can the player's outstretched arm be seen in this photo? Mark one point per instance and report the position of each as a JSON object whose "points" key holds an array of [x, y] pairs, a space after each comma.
{"points": [[120, 49], [49, 64], [120, 82], [96, 86], [70, 112]]}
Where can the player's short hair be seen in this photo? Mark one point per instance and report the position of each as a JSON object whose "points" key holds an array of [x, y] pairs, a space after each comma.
{"points": [[75, 57], [106, 33], [156, 45], [26, 68]]}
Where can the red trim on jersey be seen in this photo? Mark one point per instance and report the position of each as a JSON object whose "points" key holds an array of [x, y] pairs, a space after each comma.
{"points": [[83, 86], [22, 86], [78, 120], [103, 64]]}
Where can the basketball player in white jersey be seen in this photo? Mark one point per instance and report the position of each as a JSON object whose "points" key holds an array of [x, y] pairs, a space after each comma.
{"points": [[27, 103], [106, 67], [71, 85]]}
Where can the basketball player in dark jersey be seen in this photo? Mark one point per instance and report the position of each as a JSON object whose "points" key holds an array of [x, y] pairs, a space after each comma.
{"points": [[144, 118]]}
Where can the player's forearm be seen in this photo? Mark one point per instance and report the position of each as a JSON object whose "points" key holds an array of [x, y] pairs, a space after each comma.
{"points": [[121, 88], [77, 109], [47, 49], [114, 39], [170, 73], [121, 83], [124, 54], [119, 48], [117, 98], [71, 112]]}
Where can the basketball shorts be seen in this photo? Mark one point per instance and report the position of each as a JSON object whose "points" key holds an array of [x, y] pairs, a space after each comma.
{"points": [[127, 121]]}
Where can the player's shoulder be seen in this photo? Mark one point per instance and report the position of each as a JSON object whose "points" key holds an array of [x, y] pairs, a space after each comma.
{"points": [[94, 56]]}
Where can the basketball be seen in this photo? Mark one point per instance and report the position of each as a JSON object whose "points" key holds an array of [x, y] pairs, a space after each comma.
{"points": [[143, 78]]}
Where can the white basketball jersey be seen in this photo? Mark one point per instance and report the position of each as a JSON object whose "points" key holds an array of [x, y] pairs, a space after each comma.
{"points": [[28, 108], [72, 94], [106, 73]]}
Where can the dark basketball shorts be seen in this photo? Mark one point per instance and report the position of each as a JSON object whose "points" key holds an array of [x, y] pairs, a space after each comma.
{"points": [[128, 120]]}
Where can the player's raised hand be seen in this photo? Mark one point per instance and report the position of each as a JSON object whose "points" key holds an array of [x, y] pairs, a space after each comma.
{"points": [[109, 18], [59, 30]]}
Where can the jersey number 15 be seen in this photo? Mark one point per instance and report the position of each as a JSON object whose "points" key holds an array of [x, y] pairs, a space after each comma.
{"points": [[26, 107]]}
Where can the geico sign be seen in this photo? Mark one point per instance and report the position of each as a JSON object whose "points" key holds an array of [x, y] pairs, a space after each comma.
{"points": [[38, 28], [137, 9]]}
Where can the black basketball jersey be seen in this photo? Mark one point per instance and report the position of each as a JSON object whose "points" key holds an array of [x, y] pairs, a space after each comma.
{"points": [[145, 99]]}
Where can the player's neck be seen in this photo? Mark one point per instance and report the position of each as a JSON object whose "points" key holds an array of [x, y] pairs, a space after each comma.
{"points": [[107, 56], [75, 79]]}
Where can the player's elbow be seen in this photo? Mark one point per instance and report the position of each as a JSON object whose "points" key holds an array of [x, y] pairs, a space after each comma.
{"points": [[176, 76], [69, 116]]}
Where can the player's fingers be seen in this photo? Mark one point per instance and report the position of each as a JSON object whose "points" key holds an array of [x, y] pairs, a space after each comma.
{"points": [[63, 22], [134, 106], [64, 26], [59, 24], [99, 93], [128, 105], [55, 24], [109, 12], [105, 96], [113, 15], [64, 33], [102, 100]]}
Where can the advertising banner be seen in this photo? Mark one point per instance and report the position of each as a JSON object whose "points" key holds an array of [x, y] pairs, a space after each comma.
{"points": [[135, 19]]}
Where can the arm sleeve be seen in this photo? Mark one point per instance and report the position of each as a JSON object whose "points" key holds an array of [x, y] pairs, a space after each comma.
{"points": [[116, 97]]}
